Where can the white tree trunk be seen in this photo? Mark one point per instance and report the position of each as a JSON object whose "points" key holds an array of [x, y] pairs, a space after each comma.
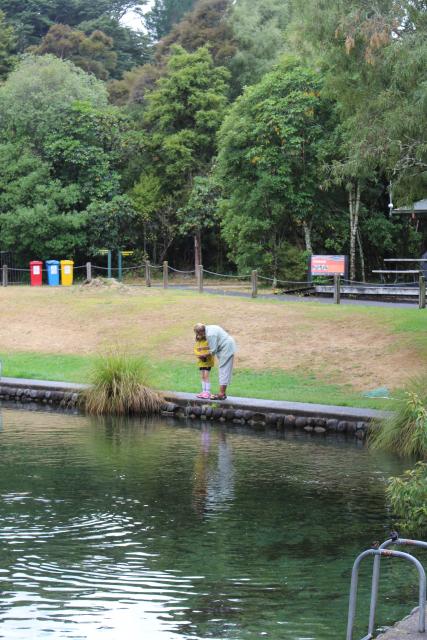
{"points": [[307, 236], [354, 208]]}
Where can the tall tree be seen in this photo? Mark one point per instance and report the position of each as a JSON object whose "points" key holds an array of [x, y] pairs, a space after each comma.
{"points": [[259, 36], [57, 118], [372, 57], [271, 150], [164, 14], [182, 116]]}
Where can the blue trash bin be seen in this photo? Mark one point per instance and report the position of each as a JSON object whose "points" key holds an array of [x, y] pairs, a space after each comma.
{"points": [[52, 267]]}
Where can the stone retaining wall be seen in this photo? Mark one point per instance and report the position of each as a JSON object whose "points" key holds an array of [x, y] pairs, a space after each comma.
{"points": [[259, 419], [59, 398], [310, 423]]}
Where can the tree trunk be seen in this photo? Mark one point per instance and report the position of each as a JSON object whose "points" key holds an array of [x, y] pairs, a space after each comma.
{"points": [[307, 236], [362, 256], [354, 208], [197, 250]]}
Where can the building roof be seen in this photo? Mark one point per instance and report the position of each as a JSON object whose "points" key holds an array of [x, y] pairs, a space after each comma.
{"points": [[417, 207]]}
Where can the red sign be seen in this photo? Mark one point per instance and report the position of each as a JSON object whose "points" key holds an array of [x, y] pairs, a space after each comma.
{"points": [[328, 265]]}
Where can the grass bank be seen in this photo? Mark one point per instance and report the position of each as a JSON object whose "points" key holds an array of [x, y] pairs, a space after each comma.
{"points": [[176, 376], [301, 351]]}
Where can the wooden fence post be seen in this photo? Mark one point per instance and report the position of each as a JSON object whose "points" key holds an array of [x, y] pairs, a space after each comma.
{"points": [[254, 282], [89, 271], [422, 294], [165, 274], [147, 273], [337, 289], [5, 279], [200, 278]]}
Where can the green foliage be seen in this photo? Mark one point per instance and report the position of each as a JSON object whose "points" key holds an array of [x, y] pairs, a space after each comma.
{"points": [[183, 114], [271, 148], [37, 233], [206, 25], [259, 36], [408, 498], [83, 148], [373, 58], [60, 184], [39, 91], [132, 48], [164, 14], [137, 85], [405, 431], [119, 388], [111, 224], [7, 47], [93, 53], [33, 18], [35, 219], [200, 211], [181, 118]]}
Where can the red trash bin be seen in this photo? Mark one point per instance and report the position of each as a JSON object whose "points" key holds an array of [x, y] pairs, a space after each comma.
{"points": [[36, 273]]}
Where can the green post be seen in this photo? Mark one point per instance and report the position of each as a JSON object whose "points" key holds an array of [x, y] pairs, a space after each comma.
{"points": [[109, 263], [119, 262]]}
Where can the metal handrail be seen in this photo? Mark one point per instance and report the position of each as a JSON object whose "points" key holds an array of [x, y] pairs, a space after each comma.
{"points": [[354, 579], [376, 572]]}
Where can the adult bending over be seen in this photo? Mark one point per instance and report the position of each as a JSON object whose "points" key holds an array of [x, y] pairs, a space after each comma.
{"points": [[221, 345]]}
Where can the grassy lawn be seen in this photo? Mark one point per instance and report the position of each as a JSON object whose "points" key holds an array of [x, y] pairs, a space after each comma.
{"points": [[175, 376], [302, 351]]}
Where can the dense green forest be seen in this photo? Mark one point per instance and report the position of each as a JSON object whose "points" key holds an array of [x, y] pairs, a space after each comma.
{"points": [[243, 134]]}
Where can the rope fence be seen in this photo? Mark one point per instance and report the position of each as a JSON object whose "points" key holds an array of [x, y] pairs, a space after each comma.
{"points": [[204, 279]]}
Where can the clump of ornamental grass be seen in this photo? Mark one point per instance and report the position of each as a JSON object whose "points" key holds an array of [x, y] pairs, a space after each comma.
{"points": [[119, 387], [405, 431]]}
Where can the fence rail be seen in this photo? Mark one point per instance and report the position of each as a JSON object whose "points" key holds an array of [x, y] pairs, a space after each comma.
{"points": [[204, 279]]}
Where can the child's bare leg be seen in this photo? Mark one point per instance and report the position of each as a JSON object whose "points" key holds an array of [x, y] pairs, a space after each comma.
{"points": [[206, 381]]}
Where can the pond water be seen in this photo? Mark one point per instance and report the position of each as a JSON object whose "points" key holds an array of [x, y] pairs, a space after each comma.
{"points": [[160, 530]]}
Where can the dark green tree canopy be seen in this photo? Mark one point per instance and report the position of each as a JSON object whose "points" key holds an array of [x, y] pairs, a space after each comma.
{"points": [[164, 15], [33, 18], [183, 114], [271, 147]]}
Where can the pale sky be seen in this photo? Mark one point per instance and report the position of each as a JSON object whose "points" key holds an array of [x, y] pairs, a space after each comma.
{"points": [[133, 20]]}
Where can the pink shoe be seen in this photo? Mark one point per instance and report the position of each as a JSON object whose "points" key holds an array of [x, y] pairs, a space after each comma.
{"points": [[204, 395]]}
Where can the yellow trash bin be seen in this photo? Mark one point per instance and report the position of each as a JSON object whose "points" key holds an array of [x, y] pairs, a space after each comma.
{"points": [[67, 267]]}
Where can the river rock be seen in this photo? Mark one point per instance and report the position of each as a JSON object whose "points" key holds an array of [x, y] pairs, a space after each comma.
{"points": [[332, 424], [320, 429]]}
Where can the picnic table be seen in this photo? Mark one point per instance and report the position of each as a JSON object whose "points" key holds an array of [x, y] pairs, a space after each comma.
{"points": [[421, 271]]}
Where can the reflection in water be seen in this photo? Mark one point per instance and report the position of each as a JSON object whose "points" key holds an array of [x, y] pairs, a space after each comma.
{"points": [[151, 529], [213, 472]]}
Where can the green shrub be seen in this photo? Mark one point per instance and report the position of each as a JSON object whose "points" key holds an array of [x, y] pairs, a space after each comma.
{"points": [[405, 431], [119, 388], [408, 498]]}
